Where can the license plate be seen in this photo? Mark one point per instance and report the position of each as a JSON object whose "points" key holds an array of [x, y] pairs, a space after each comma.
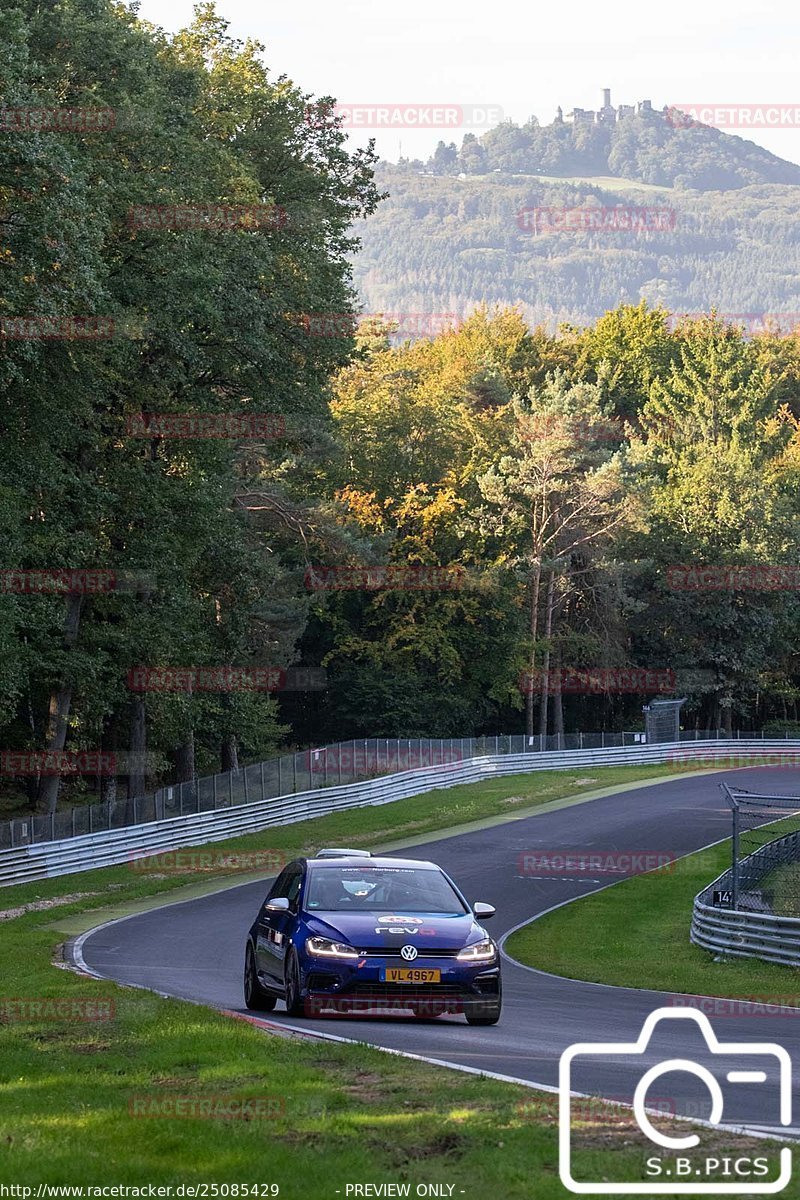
{"points": [[410, 975]]}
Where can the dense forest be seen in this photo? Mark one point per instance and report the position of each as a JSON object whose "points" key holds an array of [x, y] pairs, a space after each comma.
{"points": [[447, 245], [418, 525]]}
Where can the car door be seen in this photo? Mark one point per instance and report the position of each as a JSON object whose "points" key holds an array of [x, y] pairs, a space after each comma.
{"points": [[275, 928]]}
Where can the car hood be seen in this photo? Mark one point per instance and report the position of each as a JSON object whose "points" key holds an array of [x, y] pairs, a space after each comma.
{"points": [[384, 930]]}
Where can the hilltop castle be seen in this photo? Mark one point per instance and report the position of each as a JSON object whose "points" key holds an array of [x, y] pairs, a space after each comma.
{"points": [[606, 115]]}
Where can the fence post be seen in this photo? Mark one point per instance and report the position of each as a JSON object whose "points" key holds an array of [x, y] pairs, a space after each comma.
{"points": [[52, 826], [338, 759], [246, 792], [214, 789], [294, 774], [580, 740], [735, 854], [136, 810], [263, 784], [73, 819]]}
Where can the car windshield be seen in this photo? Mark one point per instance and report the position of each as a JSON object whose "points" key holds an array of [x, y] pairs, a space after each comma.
{"points": [[382, 889]]}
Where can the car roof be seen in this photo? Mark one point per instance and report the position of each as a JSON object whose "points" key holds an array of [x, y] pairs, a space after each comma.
{"points": [[367, 864]]}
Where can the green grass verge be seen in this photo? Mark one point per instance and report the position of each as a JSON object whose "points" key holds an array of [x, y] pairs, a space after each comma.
{"points": [[638, 931], [317, 1115]]}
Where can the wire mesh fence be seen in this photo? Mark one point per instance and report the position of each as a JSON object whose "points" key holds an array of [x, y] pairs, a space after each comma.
{"points": [[340, 763], [765, 854]]}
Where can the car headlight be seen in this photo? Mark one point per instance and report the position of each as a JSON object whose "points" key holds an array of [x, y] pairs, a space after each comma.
{"points": [[484, 951], [328, 949]]}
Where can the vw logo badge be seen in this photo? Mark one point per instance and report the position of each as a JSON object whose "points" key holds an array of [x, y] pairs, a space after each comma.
{"points": [[409, 953]]}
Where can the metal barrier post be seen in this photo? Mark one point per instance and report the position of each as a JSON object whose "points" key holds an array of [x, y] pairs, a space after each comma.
{"points": [[735, 854]]}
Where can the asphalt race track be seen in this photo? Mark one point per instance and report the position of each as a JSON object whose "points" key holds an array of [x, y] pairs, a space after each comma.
{"points": [[194, 950]]}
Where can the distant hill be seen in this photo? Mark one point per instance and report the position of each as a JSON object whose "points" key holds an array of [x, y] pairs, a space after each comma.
{"points": [[651, 147], [445, 244]]}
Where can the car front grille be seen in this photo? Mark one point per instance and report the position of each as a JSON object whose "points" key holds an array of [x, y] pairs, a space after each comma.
{"points": [[394, 952]]}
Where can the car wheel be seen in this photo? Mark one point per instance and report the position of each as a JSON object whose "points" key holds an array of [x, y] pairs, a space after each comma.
{"points": [[254, 995], [294, 1002], [489, 1020], [488, 1014]]}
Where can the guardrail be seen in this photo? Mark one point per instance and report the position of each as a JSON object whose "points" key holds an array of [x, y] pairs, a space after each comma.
{"points": [[341, 762], [742, 931], [45, 860]]}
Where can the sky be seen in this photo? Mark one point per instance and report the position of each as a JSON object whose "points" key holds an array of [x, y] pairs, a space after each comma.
{"points": [[515, 59]]}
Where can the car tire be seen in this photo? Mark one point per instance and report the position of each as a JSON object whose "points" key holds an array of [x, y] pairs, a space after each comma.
{"points": [[255, 997], [490, 1020], [295, 1006], [490, 1014]]}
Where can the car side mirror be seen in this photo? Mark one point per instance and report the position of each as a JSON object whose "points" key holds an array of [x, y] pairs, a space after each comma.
{"points": [[278, 905], [483, 911]]}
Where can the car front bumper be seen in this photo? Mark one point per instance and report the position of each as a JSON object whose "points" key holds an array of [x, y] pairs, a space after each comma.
{"points": [[357, 988]]}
